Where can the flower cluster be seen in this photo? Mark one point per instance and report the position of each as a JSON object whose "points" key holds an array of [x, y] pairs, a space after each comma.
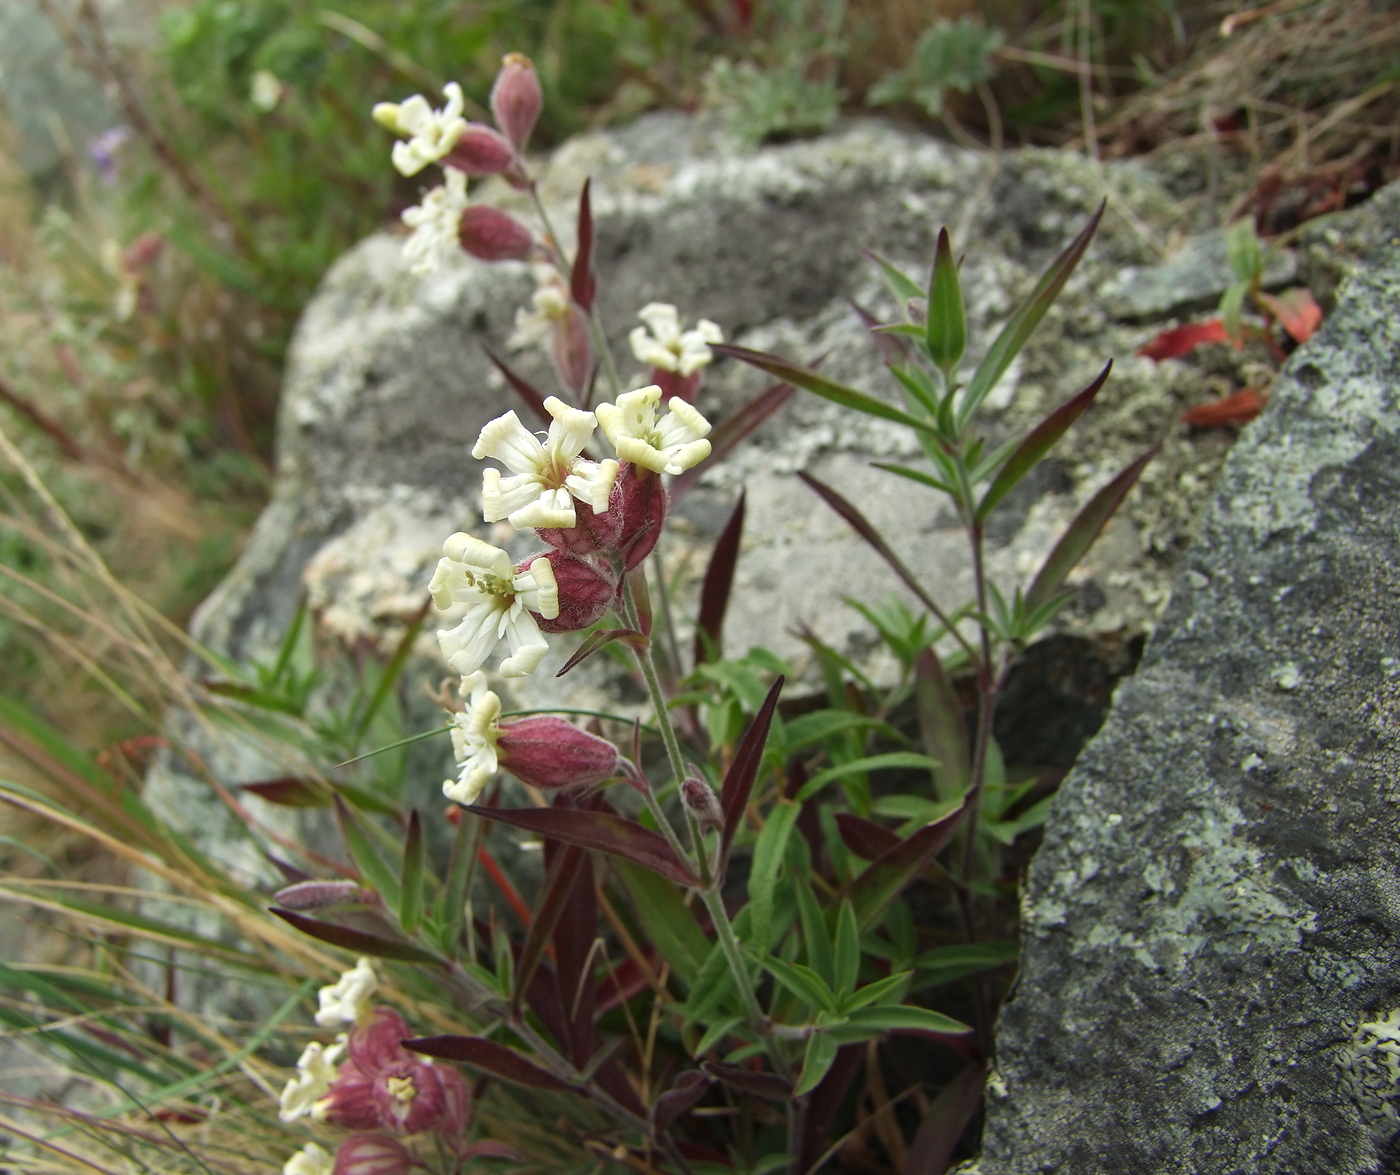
{"points": [[367, 1082]]}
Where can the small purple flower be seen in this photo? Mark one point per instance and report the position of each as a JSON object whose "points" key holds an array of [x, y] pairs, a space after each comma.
{"points": [[103, 152]]}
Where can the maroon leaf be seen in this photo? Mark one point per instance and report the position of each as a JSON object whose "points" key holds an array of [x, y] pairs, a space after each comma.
{"points": [[1074, 544], [290, 792], [574, 935], [731, 431], [687, 1089], [583, 281], [739, 779], [360, 942], [290, 872], [824, 1103], [641, 597], [495, 1058], [941, 723], [558, 883], [768, 1085], [523, 388], [945, 1121], [893, 349], [1237, 408], [871, 891], [604, 831], [719, 580], [864, 837], [625, 980], [1180, 340], [1297, 311], [596, 640], [489, 1148], [1039, 441]]}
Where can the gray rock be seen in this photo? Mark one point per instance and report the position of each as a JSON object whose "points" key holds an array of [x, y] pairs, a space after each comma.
{"points": [[1210, 978]]}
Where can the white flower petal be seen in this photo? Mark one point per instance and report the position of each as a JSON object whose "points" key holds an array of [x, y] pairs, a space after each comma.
{"points": [[508, 441], [538, 590], [552, 508], [571, 431], [647, 350], [348, 999], [503, 497], [592, 482], [663, 320]]}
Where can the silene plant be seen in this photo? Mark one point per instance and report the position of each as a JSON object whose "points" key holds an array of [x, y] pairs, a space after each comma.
{"points": [[727, 964]]}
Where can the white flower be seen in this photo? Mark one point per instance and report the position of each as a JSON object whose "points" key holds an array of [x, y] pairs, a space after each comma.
{"points": [[546, 477], [474, 737], [432, 133], [347, 1000], [435, 222], [310, 1160], [549, 305], [264, 90], [667, 346], [499, 601], [671, 446], [315, 1072]]}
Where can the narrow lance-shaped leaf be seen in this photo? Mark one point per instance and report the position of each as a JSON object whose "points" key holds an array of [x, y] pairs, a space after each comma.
{"points": [[1022, 324], [596, 640], [360, 942], [731, 431], [945, 332], [1039, 441], [583, 281], [895, 868], [393, 670], [769, 852], [893, 349], [719, 581], [828, 389], [945, 1121], [687, 1089], [604, 831], [847, 955], [941, 724], [768, 1085], [1076, 541], [739, 779], [289, 791], [527, 391], [901, 285], [366, 857], [411, 880], [820, 1053], [864, 837], [558, 883], [495, 1058]]}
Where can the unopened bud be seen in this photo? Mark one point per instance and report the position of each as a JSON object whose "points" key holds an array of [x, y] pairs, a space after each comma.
{"points": [[674, 384], [643, 503], [482, 150], [587, 588], [702, 803], [548, 752], [492, 235], [372, 1154], [317, 895], [516, 99], [571, 350]]}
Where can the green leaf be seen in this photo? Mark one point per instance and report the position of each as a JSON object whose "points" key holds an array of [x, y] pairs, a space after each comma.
{"points": [[1232, 311], [918, 476], [919, 385], [821, 1052], [716, 1033], [1022, 324], [828, 389], [869, 763], [1038, 442], [946, 328], [846, 962], [873, 993], [941, 724], [895, 868], [667, 920], [815, 939], [901, 285], [945, 964], [1074, 544], [803, 982], [820, 725], [376, 874], [769, 852], [1244, 251], [890, 1017], [1033, 817], [411, 880]]}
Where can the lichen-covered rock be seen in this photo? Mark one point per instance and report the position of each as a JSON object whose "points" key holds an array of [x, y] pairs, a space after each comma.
{"points": [[1210, 979]]}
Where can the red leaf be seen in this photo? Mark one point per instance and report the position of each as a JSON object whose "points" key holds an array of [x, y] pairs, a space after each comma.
{"points": [[944, 1122], [558, 884], [361, 942], [1236, 408], [688, 1088], [768, 1085], [597, 639], [895, 868], [864, 837], [583, 281], [289, 792], [1171, 344], [719, 579], [495, 1058], [523, 388], [604, 831], [625, 980], [738, 780], [1296, 311], [731, 431]]}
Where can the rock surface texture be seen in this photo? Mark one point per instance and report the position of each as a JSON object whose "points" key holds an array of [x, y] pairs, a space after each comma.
{"points": [[1211, 970]]}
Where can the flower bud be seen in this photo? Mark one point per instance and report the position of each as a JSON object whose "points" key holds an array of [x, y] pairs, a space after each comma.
{"points": [[571, 351], [643, 506], [372, 1154], [703, 804], [674, 384], [350, 1101], [482, 150], [317, 895], [548, 752], [587, 588], [516, 98], [492, 235]]}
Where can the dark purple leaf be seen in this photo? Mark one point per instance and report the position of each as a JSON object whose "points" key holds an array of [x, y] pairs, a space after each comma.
{"points": [[688, 1088], [719, 580], [824, 1103], [360, 942], [574, 936], [739, 779], [1039, 441], [730, 432], [558, 883], [893, 349], [1074, 544], [768, 1085], [864, 837], [496, 1059], [290, 872], [892, 870], [488, 1148], [583, 281], [523, 388], [945, 1121], [941, 722], [604, 831], [289, 792], [596, 640]]}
